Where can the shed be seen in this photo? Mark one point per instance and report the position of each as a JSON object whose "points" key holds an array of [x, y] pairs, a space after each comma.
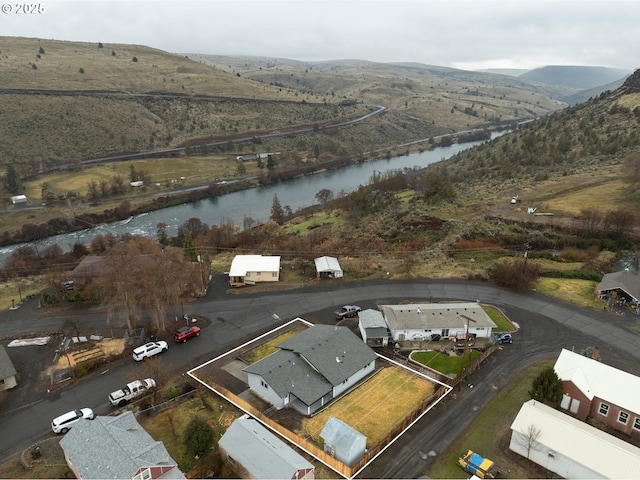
{"points": [[7, 371], [258, 453], [19, 199], [373, 328], [624, 284], [343, 442], [569, 447], [328, 267]]}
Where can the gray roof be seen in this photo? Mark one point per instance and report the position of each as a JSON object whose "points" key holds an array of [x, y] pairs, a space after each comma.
{"points": [[435, 315], [372, 321], [626, 281], [339, 434], [7, 369], [115, 447], [327, 264], [260, 452], [313, 361]]}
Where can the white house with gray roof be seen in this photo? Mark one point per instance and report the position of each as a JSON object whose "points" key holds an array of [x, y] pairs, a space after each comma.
{"points": [[569, 447], [417, 322], [373, 328], [311, 368], [342, 441], [255, 452], [116, 448]]}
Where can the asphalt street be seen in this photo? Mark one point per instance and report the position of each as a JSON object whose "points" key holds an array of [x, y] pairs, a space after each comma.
{"points": [[546, 325]]}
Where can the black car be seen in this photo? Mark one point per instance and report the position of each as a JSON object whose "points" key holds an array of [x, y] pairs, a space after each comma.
{"points": [[435, 337]]}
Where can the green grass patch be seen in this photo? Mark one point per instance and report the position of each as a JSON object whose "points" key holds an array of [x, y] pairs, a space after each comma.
{"points": [[445, 364], [502, 322], [580, 292], [486, 434], [303, 225]]}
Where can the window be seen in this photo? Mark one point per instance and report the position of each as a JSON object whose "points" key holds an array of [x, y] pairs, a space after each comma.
{"points": [[636, 423], [264, 384], [623, 417], [604, 409]]}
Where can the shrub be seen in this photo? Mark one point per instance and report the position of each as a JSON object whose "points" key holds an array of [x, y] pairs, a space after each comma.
{"points": [[198, 436], [518, 275]]}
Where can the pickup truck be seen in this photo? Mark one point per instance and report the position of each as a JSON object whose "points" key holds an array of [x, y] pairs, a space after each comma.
{"points": [[347, 311], [131, 391]]}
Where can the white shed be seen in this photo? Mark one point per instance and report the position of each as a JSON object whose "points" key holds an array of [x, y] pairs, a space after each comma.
{"points": [[328, 267], [18, 199]]}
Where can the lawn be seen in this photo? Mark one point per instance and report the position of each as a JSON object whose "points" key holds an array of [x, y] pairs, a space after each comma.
{"points": [[373, 409], [489, 431], [267, 348], [445, 364], [575, 291]]}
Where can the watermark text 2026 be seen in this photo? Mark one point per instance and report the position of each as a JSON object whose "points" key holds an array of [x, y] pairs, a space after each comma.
{"points": [[22, 8]]}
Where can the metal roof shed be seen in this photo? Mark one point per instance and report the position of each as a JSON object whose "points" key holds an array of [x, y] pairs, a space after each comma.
{"points": [[328, 267]]}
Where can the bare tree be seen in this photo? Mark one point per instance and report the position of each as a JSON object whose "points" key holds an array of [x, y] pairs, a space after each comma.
{"points": [[590, 219], [529, 438]]}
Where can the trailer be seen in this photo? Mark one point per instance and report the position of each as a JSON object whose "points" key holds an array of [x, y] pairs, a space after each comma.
{"points": [[477, 465]]}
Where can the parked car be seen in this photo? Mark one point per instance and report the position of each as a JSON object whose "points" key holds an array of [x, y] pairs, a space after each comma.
{"points": [[435, 337], [504, 338], [347, 311], [63, 423], [185, 333], [149, 349]]}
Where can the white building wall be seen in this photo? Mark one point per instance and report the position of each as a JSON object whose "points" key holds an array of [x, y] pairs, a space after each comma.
{"points": [[267, 393], [353, 379], [553, 461]]}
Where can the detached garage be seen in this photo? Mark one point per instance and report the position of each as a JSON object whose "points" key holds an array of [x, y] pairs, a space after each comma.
{"points": [[328, 267]]}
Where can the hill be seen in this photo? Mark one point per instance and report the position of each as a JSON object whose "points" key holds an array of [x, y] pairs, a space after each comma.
{"points": [[575, 76]]}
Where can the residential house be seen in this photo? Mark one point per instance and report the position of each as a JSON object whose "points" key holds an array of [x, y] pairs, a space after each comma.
{"points": [[593, 389], [328, 267], [342, 441], [251, 269], [115, 448], [373, 328], [7, 371], [255, 452], [624, 285], [417, 322], [570, 448], [311, 368]]}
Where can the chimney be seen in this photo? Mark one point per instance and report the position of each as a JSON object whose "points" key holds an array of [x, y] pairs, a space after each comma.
{"points": [[596, 353]]}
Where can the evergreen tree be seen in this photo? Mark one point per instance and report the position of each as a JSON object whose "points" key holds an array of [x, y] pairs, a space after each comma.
{"points": [[12, 180], [277, 212], [189, 247], [546, 387], [198, 436]]}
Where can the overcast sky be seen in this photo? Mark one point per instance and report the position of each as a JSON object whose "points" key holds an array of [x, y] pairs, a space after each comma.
{"points": [[470, 35]]}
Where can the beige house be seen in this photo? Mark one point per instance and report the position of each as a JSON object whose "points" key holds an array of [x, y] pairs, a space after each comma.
{"points": [[251, 269]]}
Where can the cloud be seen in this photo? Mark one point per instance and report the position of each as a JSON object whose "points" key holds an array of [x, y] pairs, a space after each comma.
{"points": [[462, 34]]}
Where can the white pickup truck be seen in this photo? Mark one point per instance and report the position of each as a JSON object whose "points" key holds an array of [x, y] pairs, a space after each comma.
{"points": [[132, 390], [347, 311]]}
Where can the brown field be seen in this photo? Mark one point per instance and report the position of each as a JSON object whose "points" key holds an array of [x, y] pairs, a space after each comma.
{"points": [[377, 406]]}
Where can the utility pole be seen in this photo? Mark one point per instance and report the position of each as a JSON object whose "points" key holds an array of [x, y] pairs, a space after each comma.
{"points": [[466, 344]]}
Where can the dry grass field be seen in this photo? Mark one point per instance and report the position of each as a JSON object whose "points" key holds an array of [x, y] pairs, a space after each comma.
{"points": [[373, 409]]}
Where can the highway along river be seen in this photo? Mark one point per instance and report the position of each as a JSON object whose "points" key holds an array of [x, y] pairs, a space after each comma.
{"points": [[255, 202]]}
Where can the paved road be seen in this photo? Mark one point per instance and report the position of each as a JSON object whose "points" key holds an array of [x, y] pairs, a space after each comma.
{"points": [[546, 326]]}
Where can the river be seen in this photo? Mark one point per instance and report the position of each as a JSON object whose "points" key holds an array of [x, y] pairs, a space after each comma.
{"points": [[255, 203]]}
